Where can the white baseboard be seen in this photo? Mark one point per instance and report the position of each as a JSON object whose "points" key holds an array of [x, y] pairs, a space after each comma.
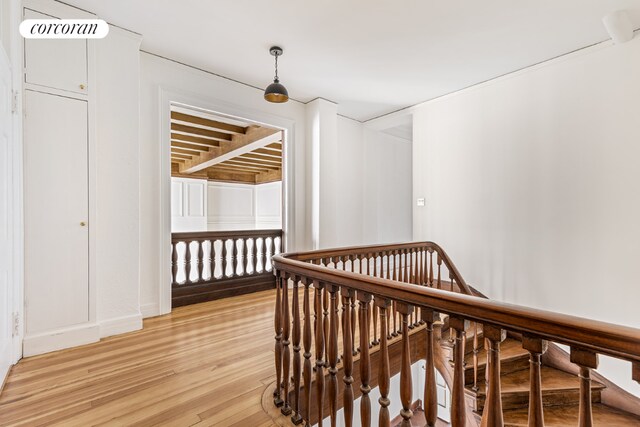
{"points": [[60, 339], [121, 325], [150, 310]]}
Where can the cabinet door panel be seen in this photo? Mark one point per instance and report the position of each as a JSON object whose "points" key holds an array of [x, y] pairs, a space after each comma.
{"points": [[55, 63], [56, 203]]}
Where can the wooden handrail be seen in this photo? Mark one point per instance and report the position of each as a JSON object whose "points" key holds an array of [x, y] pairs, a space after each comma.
{"points": [[208, 235], [326, 270], [605, 338], [376, 250]]}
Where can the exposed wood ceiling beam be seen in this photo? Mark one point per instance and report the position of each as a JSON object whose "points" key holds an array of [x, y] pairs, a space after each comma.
{"points": [[183, 151], [191, 130], [268, 152], [220, 126], [188, 146], [261, 157], [194, 139], [272, 165], [227, 176], [271, 176], [257, 168], [180, 156], [275, 146], [234, 169], [255, 137]]}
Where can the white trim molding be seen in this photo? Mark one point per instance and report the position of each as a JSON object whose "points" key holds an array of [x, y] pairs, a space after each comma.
{"points": [[61, 338], [121, 325]]}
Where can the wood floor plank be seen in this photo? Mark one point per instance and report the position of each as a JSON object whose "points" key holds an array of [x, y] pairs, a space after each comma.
{"points": [[205, 364]]}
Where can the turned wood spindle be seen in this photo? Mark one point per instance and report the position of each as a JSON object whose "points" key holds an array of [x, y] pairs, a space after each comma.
{"points": [[174, 263], [286, 356], [384, 372], [365, 367], [254, 256], [430, 392], [476, 351], [439, 263], [234, 258], [347, 362], [200, 260], [269, 254], [224, 258], [405, 367], [296, 418], [245, 256], [492, 413], [277, 395], [431, 267], [406, 277], [586, 361], [306, 341], [535, 346], [263, 254], [319, 350], [325, 324], [187, 262], [458, 412], [333, 355]]}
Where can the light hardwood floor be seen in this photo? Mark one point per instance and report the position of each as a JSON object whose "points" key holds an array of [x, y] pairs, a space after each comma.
{"points": [[202, 365]]}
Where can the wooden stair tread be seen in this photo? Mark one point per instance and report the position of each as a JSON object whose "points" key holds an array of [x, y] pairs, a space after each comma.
{"points": [[552, 380], [509, 349], [562, 416]]}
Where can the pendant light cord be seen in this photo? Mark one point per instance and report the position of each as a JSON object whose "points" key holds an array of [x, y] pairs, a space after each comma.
{"points": [[276, 78]]}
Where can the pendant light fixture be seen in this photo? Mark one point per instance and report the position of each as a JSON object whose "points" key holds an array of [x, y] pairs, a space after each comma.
{"points": [[276, 92]]}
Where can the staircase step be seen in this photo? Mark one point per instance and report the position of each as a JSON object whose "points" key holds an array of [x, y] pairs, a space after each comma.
{"points": [[558, 388], [562, 416], [512, 358]]}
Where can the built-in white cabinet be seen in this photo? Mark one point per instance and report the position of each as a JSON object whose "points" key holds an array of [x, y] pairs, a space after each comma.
{"points": [[56, 212], [55, 63], [59, 298]]}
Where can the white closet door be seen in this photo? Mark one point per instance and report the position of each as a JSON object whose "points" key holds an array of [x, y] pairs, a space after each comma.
{"points": [[55, 63], [56, 212]]}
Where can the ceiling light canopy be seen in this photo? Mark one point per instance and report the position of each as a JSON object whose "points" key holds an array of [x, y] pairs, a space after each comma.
{"points": [[276, 92]]}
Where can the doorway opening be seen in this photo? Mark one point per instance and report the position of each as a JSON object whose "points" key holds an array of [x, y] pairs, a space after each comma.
{"points": [[227, 204]]}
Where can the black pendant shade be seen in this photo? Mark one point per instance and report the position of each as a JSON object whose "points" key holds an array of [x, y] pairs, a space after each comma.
{"points": [[276, 92]]}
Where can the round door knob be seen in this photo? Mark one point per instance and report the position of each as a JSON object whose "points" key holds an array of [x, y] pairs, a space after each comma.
{"points": [[82, 223], [82, 87]]}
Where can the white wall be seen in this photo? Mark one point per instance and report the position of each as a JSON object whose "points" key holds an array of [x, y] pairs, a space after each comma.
{"points": [[531, 185], [268, 198], [387, 188], [232, 206], [117, 225]]}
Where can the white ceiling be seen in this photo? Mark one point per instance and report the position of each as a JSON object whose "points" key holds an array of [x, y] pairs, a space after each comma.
{"points": [[370, 56]]}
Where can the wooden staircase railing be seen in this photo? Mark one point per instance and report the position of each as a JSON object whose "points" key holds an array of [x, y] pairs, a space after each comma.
{"points": [[399, 290], [214, 264]]}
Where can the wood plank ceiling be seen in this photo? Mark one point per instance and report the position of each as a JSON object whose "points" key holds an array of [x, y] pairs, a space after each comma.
{"points": [[220, 151]]}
